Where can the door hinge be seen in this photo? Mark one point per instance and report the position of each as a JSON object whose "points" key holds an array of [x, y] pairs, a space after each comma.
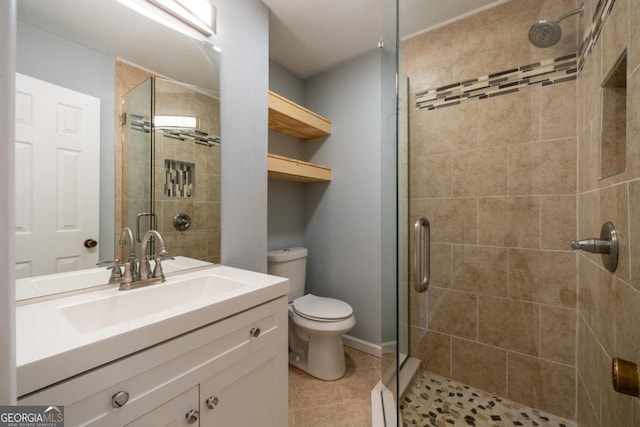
{"points": [[123, 118]]}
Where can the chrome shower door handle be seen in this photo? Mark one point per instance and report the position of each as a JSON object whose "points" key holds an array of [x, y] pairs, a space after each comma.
{"points": [[421, 254], [152, 224]]}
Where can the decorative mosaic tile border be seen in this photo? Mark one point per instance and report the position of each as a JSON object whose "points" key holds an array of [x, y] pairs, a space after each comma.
{"points": [[436, 401], [546, 72], [593, 34], [138, 123], [196, 136]]}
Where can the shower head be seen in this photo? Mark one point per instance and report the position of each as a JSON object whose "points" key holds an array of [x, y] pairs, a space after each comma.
{"points": [[546, 33]]}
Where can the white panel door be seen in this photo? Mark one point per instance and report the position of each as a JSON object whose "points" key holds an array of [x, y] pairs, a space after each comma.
{"points": [[57, 178]]}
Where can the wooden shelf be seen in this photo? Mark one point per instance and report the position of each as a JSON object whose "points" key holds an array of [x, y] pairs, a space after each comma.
{"points": [[287, 169], [287, 117]]}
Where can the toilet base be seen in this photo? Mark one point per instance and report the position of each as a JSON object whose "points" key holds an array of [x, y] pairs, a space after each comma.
{"points": [[325, 358]]}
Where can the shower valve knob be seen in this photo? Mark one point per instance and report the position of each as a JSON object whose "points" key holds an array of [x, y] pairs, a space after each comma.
{"points": [[607, 245], [595, 246]]}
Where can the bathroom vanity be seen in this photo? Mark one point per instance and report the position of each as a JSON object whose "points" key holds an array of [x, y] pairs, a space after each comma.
{"points": [[207, 347]]}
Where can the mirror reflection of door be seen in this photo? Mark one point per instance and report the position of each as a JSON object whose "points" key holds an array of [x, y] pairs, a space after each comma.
{"points": [[57, 178]]}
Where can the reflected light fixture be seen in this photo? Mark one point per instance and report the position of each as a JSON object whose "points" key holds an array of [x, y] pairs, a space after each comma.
{"points": [[175, 122]]}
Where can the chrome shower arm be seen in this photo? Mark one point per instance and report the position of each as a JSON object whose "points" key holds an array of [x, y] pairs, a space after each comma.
{"points": [[579, 10]]}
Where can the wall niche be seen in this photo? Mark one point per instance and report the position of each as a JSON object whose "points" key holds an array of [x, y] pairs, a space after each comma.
{"points": [[613, 133]]}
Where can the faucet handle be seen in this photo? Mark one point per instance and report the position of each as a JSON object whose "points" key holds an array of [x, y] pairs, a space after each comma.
{"points": [[108, 264], [127, 276], [163, 255], [114, 266], [157, 270]]}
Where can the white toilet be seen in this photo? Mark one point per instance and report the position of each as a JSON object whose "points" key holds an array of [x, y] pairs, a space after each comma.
{"points": [[316, 324]]}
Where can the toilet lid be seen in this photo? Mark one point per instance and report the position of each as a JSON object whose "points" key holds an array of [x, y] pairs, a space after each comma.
{"points": [[320, 308]]}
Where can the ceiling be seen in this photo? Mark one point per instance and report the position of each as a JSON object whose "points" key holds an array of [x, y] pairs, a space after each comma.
{"points": [[305, 36], [309, 36], [92, 23]]}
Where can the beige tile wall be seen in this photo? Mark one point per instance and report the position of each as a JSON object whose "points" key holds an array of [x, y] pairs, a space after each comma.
{"points": [[202, 240], [608, 303], [498, 179]]}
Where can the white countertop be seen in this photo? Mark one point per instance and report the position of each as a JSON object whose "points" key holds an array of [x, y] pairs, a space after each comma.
{"points": [[49, 284], [53, 342]]}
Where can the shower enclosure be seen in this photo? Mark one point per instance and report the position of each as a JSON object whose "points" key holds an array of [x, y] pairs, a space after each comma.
{"points": [[171, 167], [504, 148]]}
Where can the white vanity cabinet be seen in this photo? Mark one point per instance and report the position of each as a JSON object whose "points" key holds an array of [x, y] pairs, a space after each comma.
{"points": [[232, 372], [179, 412], [245, 394]]}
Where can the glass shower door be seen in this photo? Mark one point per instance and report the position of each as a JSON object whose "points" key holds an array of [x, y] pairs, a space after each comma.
{"points": [[137, 150]]}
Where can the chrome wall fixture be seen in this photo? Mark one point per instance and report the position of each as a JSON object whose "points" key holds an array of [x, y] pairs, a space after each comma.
{"points": [[607, 245], [421, 254], [181, 221]]}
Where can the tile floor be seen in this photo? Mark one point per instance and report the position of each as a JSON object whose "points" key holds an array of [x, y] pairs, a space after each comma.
{"points": [[435, 401], [342, 403]]}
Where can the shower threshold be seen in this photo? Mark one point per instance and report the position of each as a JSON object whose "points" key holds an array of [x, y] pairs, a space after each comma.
{"points": [[436, 401]]}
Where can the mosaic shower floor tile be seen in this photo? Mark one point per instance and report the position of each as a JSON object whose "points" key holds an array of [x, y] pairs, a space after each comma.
{"points": [[435, 401]]}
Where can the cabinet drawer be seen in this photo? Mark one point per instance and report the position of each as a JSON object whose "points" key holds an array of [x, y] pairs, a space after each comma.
{"points": [[157, 374]]}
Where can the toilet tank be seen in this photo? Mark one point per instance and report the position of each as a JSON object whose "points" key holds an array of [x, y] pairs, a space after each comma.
{"points": [[292, 264]]}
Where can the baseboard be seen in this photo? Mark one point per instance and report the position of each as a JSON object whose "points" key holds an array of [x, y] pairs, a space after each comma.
{"points": [[389, 347], [362, 345]]}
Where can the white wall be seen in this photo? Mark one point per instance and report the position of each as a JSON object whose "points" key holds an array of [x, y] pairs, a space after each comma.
{"points": [[343, 218], [7, 268], [390, 208], [243, 36]]}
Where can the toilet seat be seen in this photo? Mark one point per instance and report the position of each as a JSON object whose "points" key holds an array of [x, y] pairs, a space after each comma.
{"points": [[321, 309]]}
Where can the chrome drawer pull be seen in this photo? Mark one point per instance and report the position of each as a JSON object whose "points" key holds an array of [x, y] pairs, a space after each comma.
{"points": [[119, 399], [192, 416], [211, 402]]}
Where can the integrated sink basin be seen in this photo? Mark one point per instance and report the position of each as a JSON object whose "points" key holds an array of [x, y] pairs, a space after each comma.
{"points": [[63, 337], [37, 286], [159, 301]]}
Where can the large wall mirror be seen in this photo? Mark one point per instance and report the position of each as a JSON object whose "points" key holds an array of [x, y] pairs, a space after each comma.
{"points": [[117, 128]]}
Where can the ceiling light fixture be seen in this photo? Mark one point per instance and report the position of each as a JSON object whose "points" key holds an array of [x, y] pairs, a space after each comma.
{"points": [[197, 20], [198, 14]]}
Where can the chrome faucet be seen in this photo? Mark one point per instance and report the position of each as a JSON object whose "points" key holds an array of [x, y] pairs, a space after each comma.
{"points": [[144, 263], [126, 237], [146, 277]]}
